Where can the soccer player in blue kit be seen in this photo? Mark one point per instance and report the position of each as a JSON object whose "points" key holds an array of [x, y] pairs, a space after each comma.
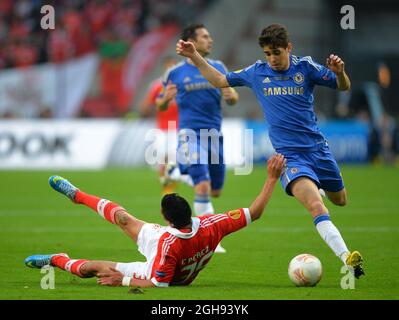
{"points": [[283, 86], [200, 145]]}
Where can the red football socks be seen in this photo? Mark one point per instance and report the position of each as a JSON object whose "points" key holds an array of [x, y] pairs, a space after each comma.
{"points": [[103, 207], [71, 265]]}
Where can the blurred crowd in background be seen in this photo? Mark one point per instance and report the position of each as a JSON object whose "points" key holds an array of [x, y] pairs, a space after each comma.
{"points": [[110, 27], [82, 26]]}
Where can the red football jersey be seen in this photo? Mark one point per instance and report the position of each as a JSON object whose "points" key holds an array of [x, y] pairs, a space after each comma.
{"points": [[182, 255]]}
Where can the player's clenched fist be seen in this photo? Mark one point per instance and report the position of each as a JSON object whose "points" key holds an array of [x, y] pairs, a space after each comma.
{"points": [[335, 64], [185, 48]]}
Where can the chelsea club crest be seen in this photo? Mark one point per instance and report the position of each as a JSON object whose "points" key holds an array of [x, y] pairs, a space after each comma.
{"points": [[298, 78]]}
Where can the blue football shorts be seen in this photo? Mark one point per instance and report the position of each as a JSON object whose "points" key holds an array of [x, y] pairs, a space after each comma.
{"points": [[200, 155], [320, 166]]}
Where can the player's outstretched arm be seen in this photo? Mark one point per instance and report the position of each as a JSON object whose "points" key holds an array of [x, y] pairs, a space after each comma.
{"points": [[216, 78], [337, 65], [275, 167]]}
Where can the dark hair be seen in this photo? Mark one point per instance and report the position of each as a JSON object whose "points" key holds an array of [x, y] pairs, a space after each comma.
{"points": [[176, 210], [275, 36], [190, 32]]}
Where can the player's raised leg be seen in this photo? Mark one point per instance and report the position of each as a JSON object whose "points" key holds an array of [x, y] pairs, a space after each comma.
{"points": [[108, 210], [103, 207], [306, 192]]}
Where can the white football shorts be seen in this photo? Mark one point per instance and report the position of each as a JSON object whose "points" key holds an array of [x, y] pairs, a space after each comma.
{"points": [[147, 242]]}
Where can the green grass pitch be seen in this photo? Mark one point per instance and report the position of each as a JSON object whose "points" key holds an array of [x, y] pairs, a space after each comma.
{"points": [[35, 219]]}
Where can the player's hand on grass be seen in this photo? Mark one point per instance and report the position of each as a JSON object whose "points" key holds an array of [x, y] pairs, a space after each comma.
{"points": [[185, 48], [110, 278], [275, 166], [335, 64]]}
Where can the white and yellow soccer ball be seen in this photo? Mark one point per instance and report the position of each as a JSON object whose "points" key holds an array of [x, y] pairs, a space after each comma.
{"points": [[305, 270]]}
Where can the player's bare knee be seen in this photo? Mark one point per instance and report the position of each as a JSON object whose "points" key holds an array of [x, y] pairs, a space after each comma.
{"points": [[84, 269], [317, 207], [87, 270], [202, 188]]}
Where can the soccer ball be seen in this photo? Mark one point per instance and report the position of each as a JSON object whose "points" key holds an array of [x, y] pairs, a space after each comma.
{"points": [[305, 270]]}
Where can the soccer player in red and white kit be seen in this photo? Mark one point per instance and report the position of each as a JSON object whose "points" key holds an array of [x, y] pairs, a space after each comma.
{"points": [[175, 254]]}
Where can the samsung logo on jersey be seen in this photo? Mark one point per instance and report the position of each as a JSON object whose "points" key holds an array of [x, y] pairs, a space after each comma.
{"points": [[198, 86], [282, 91]]}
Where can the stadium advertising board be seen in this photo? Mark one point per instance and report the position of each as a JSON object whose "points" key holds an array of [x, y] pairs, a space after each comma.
{"points": [[348, 140], [56, 144], [96, 144]]}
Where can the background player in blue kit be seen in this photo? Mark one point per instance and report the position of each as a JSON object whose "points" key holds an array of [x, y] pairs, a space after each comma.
{"points": [[200, 146], [283, 86]]}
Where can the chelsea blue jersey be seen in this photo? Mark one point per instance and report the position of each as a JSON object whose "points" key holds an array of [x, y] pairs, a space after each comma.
{"points": [[199, 103], [286, 98]]}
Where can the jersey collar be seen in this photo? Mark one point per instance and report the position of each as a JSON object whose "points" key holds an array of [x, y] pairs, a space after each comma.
{"points": [[186, 235]]}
